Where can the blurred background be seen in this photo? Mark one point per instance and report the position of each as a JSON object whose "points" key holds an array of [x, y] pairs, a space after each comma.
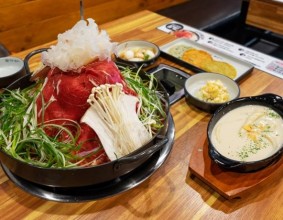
{"points": [[28, 23], [256, 24]]}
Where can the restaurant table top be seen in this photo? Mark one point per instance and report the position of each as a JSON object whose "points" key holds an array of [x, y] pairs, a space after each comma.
{"points": [[171, 191]]}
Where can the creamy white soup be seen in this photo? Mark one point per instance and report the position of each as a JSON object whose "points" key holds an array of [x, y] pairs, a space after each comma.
{"points": [[248, 133], [8, 70]]}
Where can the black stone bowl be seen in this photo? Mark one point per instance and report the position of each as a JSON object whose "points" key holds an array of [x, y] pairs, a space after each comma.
{"points": [[272, 101], [137, 44], [11, 69], [86, 176]]}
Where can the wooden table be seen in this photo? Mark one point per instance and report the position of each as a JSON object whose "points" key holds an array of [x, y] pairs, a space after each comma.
{"points": [[171, 192]]}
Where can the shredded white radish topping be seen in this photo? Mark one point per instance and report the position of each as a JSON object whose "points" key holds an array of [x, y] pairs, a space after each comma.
{"points": [[112, 115], [79, 46]]}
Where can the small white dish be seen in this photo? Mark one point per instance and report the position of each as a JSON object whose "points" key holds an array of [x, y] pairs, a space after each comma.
{"points": [[194, 83]]}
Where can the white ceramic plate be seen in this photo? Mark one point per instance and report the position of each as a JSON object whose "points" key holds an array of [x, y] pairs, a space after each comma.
{"points": [[242, 67]]}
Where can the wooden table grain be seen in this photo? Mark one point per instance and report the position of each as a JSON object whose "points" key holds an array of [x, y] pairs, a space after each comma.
{"points": [[171, 192]]}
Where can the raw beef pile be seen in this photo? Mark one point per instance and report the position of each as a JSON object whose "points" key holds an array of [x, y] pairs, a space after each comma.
{"points": [[66, 94]]}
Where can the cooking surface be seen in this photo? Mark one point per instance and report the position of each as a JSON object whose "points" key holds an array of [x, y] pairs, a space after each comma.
{"points": [[172, 190], [172, 79]]}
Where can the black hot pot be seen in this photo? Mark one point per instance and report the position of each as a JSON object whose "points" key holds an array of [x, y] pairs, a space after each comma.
{"points": [[77, 177]]}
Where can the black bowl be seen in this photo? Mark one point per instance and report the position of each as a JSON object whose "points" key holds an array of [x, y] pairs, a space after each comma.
{"points": [[195, 82], [11, 69], [272, 101], [137, 44], [85, 176]]}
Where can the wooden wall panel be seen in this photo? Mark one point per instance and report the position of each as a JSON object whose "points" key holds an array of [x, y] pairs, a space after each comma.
{"points": [[266, 14], [28, 23]]}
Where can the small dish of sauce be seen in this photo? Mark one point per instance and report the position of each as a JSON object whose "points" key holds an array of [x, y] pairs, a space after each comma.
{"points": [[11, 68]]}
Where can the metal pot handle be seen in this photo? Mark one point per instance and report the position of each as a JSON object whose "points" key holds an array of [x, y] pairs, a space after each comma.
{"points": [[130, 159], [30, 55]]}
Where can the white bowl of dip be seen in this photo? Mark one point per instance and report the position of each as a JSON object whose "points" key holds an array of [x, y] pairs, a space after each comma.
{"points": [[11, 68], [246, 134]]}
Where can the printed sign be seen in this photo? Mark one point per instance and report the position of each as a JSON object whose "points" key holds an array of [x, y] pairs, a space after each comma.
{"points": [[260, 60]]}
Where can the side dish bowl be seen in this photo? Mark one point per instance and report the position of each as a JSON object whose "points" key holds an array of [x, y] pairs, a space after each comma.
{"points": [[137, 52], [11, 68], [194, 84], [265, 156]]}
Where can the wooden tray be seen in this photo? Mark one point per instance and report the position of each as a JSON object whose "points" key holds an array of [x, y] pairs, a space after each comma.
{"points": [[227, 183]]}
